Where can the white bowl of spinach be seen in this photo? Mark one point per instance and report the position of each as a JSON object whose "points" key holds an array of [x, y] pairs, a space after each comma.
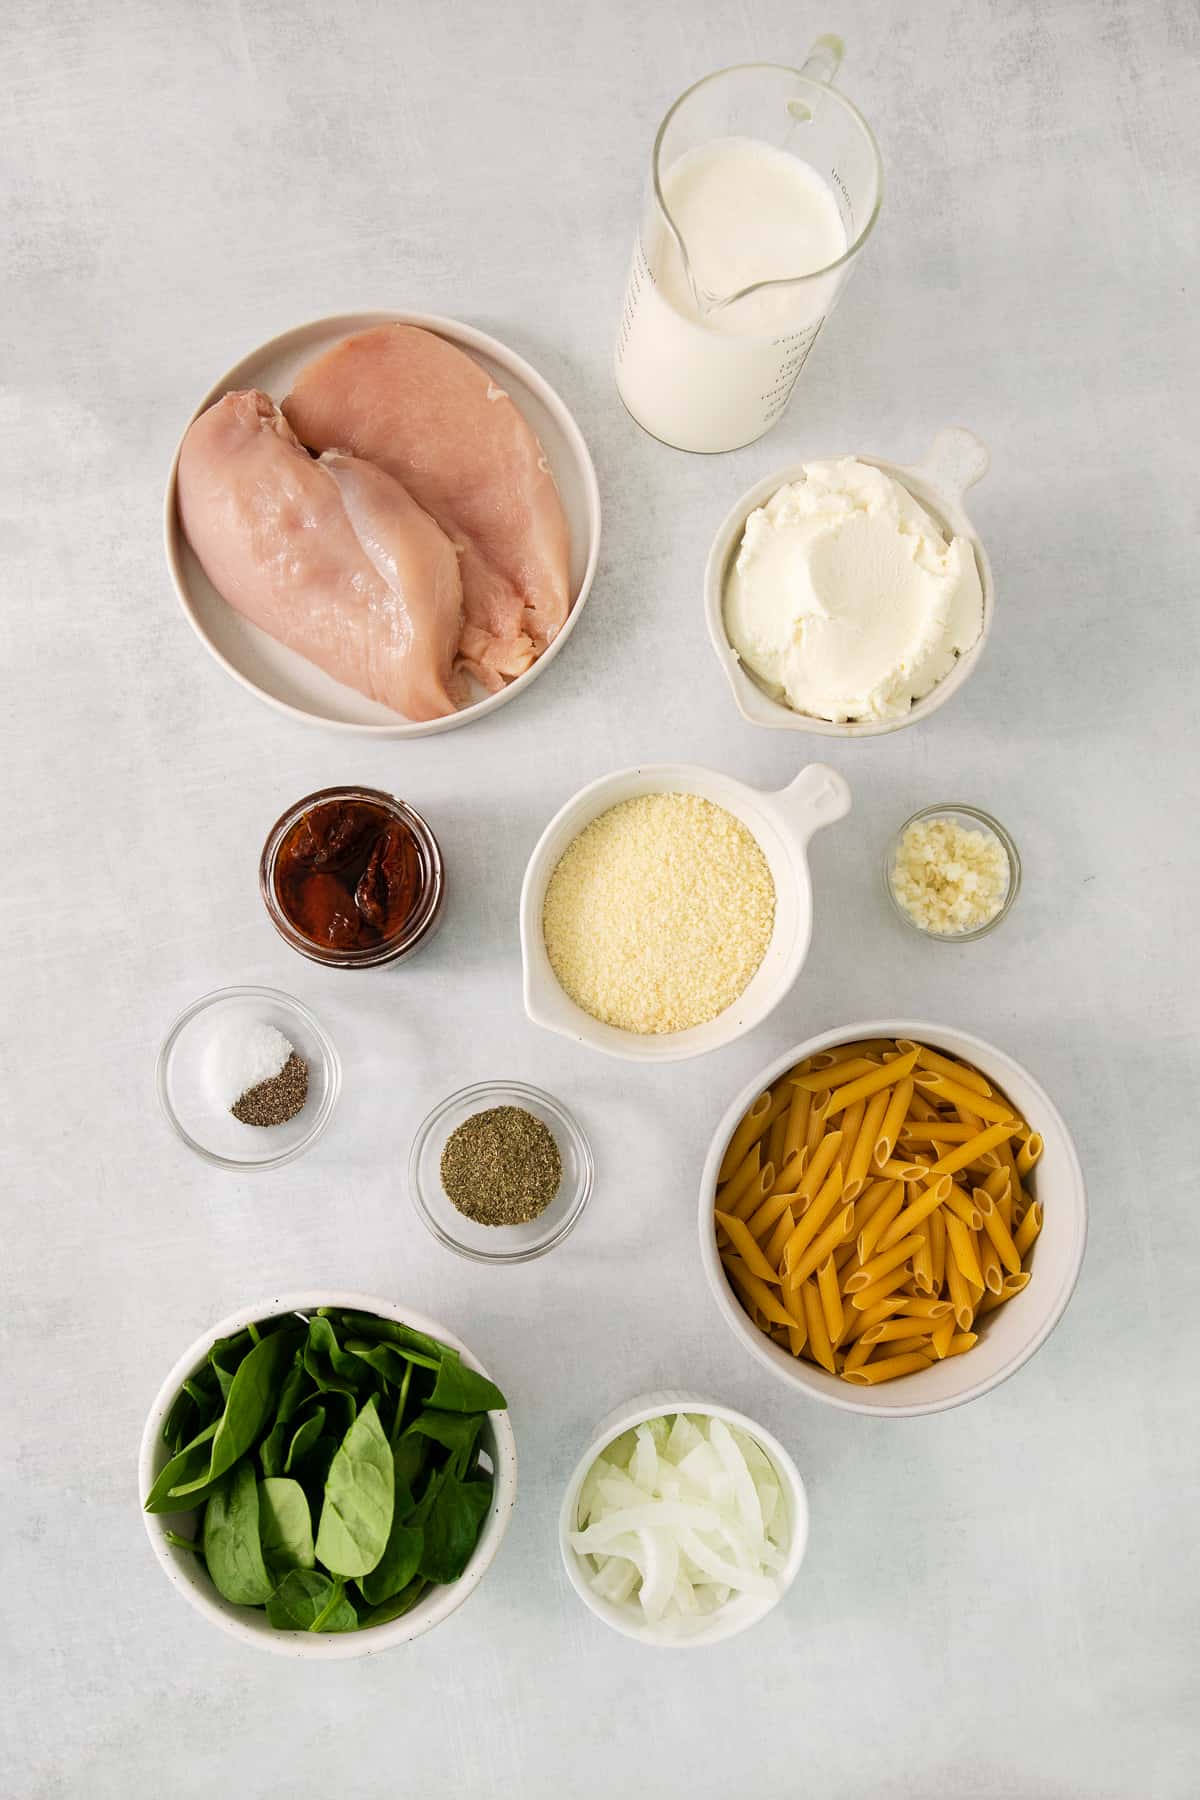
{"points": [[327, 1474]]}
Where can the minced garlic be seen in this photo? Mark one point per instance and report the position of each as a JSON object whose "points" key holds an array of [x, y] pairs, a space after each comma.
{"points": [[950, 878], [659, 913]]}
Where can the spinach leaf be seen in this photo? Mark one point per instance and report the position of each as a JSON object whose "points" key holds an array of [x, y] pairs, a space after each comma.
{"points": [[457, 1431], [386, 1360], [227, 1356], [231, 1545], [182, 1469], [183, 1543], [452, 1527], [307, 1600], [303, 1438], [273, 1447], [459, 1389], [249, 1403], [397, 1606], [359, 1498], [333, 1369], [388, 1331], [397, 1566], [285, 1525], [409, 1458], [294, 1392]]}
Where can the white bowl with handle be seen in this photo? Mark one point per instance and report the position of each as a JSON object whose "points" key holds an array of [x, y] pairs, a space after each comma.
{"points": [[782, 824], [736, 1615], [956, 461], [190, 1579], [1011, 1334]]}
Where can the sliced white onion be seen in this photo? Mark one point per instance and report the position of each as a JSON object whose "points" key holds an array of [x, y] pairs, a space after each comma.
{"points": [[678, 1517]]}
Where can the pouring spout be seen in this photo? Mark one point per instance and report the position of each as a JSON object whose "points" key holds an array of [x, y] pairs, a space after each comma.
{"points": [[824, 59]]}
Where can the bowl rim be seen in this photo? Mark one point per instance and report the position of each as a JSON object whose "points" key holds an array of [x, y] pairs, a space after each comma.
{"points": [[480, 1090], [329, 1647], [288, 1003], [949, 511], [751, 1338], [596, 797], [465, 337], [654, 1406]]}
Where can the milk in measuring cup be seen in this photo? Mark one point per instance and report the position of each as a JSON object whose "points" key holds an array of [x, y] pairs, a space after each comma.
{"points": [[747, 212]]}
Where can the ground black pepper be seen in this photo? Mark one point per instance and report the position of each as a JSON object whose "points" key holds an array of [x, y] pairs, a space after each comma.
{"points": [[501, 1166], [275, 1101]]}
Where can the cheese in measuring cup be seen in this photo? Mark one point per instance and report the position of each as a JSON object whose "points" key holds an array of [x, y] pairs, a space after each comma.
{"points": [[845, 598]]}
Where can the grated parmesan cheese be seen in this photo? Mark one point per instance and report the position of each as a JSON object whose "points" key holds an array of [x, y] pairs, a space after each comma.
{"points": [[950, 878], [658, 914]]}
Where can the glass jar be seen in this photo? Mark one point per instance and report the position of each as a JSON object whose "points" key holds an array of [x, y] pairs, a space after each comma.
{"points": [[420, 923]]}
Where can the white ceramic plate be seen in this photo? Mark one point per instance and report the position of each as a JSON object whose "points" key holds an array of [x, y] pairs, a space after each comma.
{"points": [[282, 677], [1009, 1336], [956, 461]]}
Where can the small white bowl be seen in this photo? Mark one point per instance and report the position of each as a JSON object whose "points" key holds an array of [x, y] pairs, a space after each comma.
{"points": [[955, 462], [190, 1579], [738, 1615], [1011, 1334], [282, 677], [782, 823]]}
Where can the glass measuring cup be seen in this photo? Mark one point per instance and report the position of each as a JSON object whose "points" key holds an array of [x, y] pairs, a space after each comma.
{"points": [[705, 369]]}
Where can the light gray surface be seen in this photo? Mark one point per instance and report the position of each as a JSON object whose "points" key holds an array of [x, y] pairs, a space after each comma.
{"points": [[1002, 1600]]}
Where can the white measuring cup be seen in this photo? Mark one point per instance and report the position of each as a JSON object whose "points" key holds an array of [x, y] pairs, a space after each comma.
{"points": [[707, 370]]}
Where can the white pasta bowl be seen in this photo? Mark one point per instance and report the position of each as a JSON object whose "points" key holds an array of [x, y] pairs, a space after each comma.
{"points": [[955, 462], [782, 823], [189, 1578], [1011, 1334], [737, 1615], [281, 676]]}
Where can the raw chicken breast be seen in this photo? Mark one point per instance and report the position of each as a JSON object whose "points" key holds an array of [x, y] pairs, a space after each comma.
{"points": [[332, 558], [432, 417]]}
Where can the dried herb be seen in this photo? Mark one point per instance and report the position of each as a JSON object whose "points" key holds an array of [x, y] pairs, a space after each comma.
{"points": [[501, 1167]]}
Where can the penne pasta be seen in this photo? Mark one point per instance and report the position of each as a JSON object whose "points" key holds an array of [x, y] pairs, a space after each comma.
{"points": [[821, 1080], [957, 1159], [895, 1111], [866, 1138], [1002, 1240], [962, 1249], [823, 1246], [888, 1368], [831, 1299], [865, 1085], [1027, 1230], [784, 1227], [745, 1136], [744, 1173], [933, 1060], [883, 1264], [808, 1226], [937, 1248], [796, 1134], [880, 1219], [871, 1211], [768, 1303], [755, 1194], [818, 1332]]}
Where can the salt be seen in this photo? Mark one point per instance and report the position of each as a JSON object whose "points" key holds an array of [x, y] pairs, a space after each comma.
{"points": [[241, 1054]]}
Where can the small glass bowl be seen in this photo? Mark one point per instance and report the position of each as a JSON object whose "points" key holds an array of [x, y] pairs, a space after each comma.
{"points": [[420, 927], [198, 1117], [960, 815], [499, 1243]]}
